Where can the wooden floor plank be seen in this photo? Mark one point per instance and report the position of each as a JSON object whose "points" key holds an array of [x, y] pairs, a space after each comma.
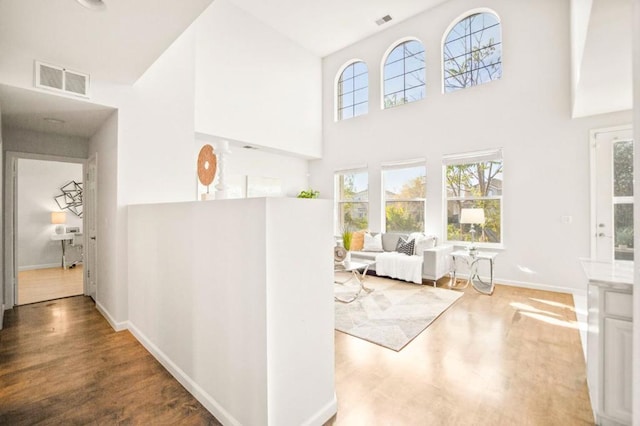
{"points": [[38, 285], [61, 363]]}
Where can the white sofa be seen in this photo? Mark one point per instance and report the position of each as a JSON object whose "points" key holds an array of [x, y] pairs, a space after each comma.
{"points": [[435, 259]]}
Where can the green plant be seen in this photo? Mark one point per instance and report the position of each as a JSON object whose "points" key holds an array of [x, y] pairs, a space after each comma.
{"points": [[310, 193], [346, 239]]}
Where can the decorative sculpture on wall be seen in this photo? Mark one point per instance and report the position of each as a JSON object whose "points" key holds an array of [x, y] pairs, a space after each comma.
{"points": [[71, 198], [207, 165]]}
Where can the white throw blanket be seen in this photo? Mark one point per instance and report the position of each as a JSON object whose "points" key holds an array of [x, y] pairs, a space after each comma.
{"points": [[398, 265]]}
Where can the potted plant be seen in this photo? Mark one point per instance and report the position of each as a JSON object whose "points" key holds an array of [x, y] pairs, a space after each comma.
{"points": [[346, 238], [308, 193]]}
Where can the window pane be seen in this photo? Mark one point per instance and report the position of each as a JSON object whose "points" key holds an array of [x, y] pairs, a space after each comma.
{"points": [[393, 100], [346, 86], [623, 225], [354, 186], [623, 169], [361, 81], [472, 53], [489, 232], [413, 63], [482, 179], [361, 109], [359, 68], [346, 100], [361, 95], [414, 79], [347, 73], [354, 216], [404, 216], [404, 183], [396, 54], [345, 113], [394, 85], [412, 47], [414, 94], [393, 70]]}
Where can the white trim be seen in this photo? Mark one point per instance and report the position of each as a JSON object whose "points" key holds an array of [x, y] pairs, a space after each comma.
{"points": [[384, 60], [473, 156], [192, 387], [43, 266], [358, 168], [401, 164], [335, 86], [324, 413], [10, 202], [117, 326], [539, 286], [453, 24]]}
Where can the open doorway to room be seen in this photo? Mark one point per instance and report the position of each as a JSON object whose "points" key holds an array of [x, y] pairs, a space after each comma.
{"points": [[49, 242]]}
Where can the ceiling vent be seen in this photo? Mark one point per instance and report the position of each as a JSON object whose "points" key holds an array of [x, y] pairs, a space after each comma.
{"points": [[383, 20], [59, 79]]}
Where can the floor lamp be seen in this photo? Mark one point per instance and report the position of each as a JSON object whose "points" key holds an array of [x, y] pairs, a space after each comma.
{"points": [[472, 217]]}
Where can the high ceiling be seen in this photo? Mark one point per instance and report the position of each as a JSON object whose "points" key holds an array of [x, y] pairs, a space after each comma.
{"points": [[116, 44], [323, 27], [119, 43]]}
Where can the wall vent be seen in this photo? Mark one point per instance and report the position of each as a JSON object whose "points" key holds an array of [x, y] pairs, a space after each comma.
{"points": [[60, 79], [383, 20]]}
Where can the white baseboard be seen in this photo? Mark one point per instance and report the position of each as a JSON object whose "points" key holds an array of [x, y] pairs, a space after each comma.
{"points": [[324, 414], [537, 286], [194, 389], [1, 315], [43, 266], [117, 326]]}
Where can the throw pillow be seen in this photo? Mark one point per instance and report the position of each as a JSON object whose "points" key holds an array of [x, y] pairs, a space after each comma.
{"points": [[372, 242], [424, 242], [357, 241], [406, 247]]}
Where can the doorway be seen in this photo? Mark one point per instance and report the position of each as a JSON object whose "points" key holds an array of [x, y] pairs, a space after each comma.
{"points": [[44, 216], [612, 194]]}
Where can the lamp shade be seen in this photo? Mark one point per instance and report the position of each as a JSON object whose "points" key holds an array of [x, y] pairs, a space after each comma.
{"points": [[472, 216], [58, 218]]}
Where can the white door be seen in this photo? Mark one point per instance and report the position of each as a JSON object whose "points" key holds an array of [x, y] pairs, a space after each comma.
{"points": [[90, 217], [613, 192]]}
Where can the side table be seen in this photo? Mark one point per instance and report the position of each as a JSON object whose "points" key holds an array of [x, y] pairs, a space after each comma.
{"points": [[472, 260]]}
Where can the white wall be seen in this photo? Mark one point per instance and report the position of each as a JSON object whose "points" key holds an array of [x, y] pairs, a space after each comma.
{"points": [[38, 183], [255, 85], [250, 335], [527, 112], [111, 293], [21, 140], [290, 170]]}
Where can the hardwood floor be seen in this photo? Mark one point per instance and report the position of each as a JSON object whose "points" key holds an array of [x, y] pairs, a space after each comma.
{"points": [[61, 363], [514, 358], [38, 285]]}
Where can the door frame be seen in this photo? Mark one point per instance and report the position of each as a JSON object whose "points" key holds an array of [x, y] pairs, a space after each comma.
{"points": [[10, 202], [90, 250], [592, 181]]}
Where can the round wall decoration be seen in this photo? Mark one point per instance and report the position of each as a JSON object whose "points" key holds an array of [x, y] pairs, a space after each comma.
{"points": [[207, 165]]}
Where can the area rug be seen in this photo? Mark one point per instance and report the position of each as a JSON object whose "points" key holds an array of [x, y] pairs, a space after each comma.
{"points": [[393, 314]]}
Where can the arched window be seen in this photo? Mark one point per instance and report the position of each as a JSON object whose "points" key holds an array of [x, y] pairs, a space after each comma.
{"points": [[403, 74], [472, 52], [353, 91]]}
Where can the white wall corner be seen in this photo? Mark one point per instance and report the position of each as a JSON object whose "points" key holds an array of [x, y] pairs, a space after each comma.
{"points": [[116, 325]]}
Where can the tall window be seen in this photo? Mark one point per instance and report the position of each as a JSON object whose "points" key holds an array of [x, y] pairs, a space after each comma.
{"points": [[353, 91], [404, 79], [623, 199], [474, 181], [472, 52], [404, 197], [352, 200]]}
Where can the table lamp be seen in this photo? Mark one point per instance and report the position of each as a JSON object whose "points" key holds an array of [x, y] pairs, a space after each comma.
{"points": [[473, 217], [59, 219]]}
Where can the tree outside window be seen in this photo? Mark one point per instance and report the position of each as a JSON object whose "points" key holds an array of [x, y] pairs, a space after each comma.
{"points": [[403, 75], [472, 52], [352, 201], [404, 198], [474, 184]]}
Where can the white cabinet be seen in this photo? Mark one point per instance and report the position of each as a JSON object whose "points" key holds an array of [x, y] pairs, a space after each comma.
{"points": [[609, 352]]}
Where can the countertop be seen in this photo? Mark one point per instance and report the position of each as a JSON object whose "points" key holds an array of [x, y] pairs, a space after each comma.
{"points": [[617, 274]]}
